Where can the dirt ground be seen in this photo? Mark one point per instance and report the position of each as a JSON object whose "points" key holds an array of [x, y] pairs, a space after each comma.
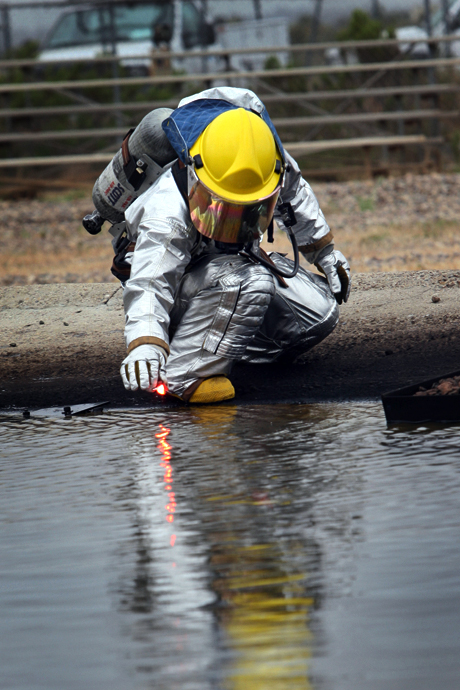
{"points": [[394, 224], [63, 344]]}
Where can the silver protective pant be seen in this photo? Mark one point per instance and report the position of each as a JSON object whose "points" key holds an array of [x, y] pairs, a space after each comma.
{"points": [[228, 308]]}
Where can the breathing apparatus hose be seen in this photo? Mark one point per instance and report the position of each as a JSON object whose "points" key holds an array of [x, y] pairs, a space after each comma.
{"points": [[270, 265]]}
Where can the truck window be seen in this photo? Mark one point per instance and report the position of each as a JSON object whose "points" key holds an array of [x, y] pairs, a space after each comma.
{"points": [[192, 26], [93, 26]]}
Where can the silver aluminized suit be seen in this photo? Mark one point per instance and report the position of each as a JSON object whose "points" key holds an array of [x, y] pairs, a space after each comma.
{"points": [[208, 308]]}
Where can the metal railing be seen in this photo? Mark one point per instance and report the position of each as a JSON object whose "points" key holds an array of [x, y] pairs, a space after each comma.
{"points": [[227, 53], [25, 124]]}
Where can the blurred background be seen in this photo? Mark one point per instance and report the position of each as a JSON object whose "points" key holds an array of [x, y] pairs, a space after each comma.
{"points": [[40, 19], [364, 94]]}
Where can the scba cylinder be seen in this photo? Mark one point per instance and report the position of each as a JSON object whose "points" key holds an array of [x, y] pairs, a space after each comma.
{"points": [[112, 192]]}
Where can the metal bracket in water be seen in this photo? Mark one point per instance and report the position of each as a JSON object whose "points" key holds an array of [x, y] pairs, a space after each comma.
{"points": [[67, 410]]}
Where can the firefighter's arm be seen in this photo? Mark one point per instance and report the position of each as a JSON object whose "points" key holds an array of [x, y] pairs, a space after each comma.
{"points": [[312, 233], [164, 241]]}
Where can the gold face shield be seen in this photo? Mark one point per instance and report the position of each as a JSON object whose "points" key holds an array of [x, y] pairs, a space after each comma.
{"points": [[226, 221]]}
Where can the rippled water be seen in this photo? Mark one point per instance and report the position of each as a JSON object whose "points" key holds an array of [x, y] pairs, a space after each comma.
{"points": [[235, 548]]}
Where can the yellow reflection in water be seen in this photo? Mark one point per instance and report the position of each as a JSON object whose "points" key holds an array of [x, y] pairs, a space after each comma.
{"points": [[265, 618], [215, 420]]}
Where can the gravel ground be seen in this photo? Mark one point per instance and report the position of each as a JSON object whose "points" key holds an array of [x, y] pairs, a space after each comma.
{"points": [[393, 224], [44, 242]]}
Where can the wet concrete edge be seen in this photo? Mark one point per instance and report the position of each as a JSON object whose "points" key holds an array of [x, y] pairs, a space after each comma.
{"points": [[63, 344]]}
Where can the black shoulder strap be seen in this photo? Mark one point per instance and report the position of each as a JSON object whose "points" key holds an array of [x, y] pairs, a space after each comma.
{"points": [[179, 172]]}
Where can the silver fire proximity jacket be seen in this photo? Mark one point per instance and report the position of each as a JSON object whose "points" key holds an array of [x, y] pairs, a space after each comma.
{"points": [[166, 240]]}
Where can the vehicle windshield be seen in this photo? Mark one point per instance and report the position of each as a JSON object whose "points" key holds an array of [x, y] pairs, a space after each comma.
{"points": [[134, 23]]}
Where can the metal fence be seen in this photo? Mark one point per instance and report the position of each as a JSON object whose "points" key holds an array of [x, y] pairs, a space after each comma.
{"points": [[389, 113]]}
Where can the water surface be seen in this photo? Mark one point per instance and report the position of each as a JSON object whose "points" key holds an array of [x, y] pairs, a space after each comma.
{"points": [[287, 547]]}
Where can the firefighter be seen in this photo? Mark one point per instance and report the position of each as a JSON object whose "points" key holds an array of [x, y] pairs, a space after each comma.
{"points": [[201, 293]]}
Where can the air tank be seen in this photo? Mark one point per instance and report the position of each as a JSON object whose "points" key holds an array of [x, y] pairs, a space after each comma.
{"points": [[112, 192]]}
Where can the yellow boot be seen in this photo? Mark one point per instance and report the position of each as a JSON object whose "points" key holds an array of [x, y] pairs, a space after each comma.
{"points": [[212, 390]]}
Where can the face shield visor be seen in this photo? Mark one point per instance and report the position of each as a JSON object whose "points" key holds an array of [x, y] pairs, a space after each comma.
{"points": [[226, 221]]}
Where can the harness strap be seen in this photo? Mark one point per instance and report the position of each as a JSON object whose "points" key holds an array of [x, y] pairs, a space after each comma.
{"points": [[179, 172], [125, 148], [134, 170], [279, 278]]}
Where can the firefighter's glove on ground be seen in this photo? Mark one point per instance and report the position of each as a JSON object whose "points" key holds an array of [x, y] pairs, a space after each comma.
{"points": [[337, 271], [141, 368]]}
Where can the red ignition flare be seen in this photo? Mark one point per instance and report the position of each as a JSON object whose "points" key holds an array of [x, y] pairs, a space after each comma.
{"points": [[161, 389]]}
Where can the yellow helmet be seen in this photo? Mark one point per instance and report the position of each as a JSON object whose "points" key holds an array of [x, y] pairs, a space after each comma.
{"points": [[236, 157]]}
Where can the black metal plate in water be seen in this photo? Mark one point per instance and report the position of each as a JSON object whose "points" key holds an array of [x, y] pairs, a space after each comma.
{"points": [[402, 405], [67, 411]]}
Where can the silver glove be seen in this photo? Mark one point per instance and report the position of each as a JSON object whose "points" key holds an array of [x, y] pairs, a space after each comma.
{"points": [[337, 271], [141, 368]]}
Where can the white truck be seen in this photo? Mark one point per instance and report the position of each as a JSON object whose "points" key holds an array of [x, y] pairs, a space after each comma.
{"points": [[254, 33], [131, 30], [438, 27]]}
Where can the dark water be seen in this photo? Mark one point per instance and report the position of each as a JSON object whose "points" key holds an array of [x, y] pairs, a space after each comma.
{"points": [[255, 548]]}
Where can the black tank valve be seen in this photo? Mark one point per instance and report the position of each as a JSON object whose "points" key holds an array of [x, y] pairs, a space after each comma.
{"points": [[93, 222]]}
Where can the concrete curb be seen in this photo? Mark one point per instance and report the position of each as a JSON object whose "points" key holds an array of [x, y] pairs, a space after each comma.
{"points": [[63, 344]]}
